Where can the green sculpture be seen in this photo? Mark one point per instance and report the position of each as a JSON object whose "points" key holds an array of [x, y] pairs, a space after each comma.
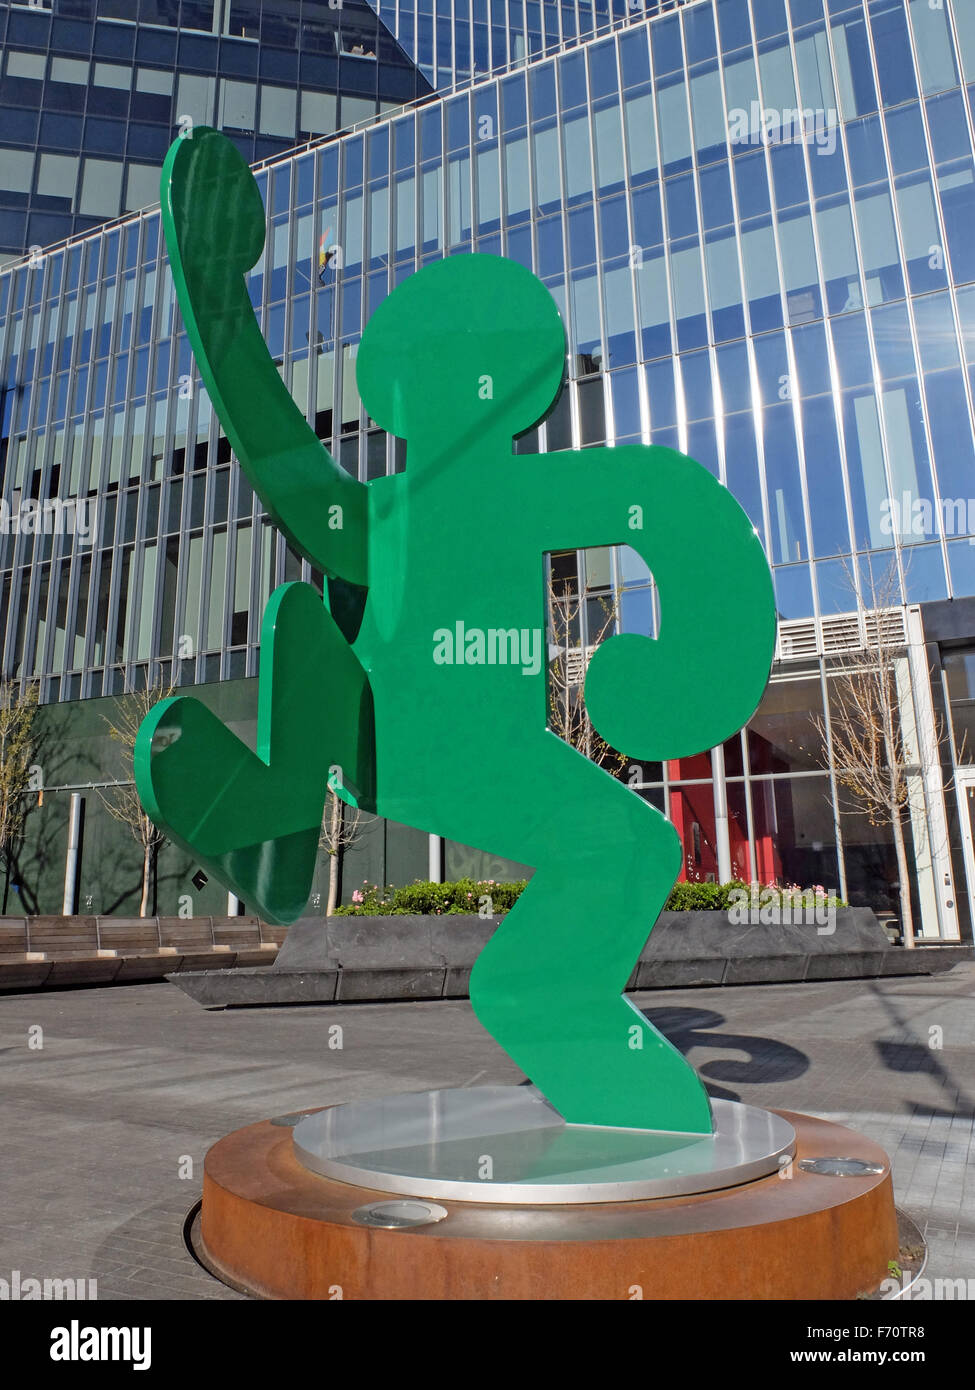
{"points": [[420, 686]]}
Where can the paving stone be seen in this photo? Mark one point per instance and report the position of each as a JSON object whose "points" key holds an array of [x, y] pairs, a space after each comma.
{"points": [[131, 1080]]}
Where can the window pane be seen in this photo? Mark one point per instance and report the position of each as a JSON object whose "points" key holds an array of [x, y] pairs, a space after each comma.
{"points": [[101, 188], [237, 102], [782, 736], [58, 176], [195, 98], [317, 113], [142, 186], [69, 70], [113, 75], [152, 80], [26, 65], [16, 170], [278, 111]]}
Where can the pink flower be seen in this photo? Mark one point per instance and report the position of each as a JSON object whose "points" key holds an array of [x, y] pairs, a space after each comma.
{"points": [[358, 896]]}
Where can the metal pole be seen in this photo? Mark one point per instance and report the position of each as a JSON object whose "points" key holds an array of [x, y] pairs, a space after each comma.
{"points": [[435, 858], [233, 905], [71, 861]]}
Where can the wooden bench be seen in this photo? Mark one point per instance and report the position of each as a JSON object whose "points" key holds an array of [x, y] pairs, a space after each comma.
{"points": [[62, 936], [40, 951]]}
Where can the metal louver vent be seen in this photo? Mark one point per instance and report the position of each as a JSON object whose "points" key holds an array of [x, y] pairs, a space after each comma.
{"points": [[841, 632], [576, 660]]}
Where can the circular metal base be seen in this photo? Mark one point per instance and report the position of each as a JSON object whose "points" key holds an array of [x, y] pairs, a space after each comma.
{"points": [[507, 1144], [271, 1227]]}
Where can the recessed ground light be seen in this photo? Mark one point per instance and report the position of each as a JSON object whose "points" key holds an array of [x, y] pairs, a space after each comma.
{"points": [[400, 1214], [839, 1167]]}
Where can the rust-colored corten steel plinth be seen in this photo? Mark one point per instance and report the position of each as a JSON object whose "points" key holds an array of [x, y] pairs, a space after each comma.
{"points": [[279, 1231]]}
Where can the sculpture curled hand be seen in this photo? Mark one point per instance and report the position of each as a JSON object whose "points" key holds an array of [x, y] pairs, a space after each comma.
{"points": [[423, 676]]}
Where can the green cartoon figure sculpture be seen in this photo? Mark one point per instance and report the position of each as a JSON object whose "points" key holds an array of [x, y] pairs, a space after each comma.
{"points": [[423, 675]]}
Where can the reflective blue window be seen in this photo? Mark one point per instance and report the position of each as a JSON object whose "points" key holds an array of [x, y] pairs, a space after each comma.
{"points": [[695, 370], [828, 169], [662, 395], [769, 18], [717, 209], [666, 46], [761, 274], [961, 558], [513, 103], [892, 338], [865, 146], [604, 77], [949, 129], [741, 465], [789, 175], [635, 58], [793, 590], [733, 25], [681, 206], [889, 25], [751, 184], [824, 478], [857, 93], [924, 575], [614, 232], [648, 227], [812, 359], [771, 359], [905, 132], [724, 284], [852, 348], [932, 39], [542, 83], [699, 38], [735, 377], [951, 435], [936, 336], [582, 236], [956, 189], [572, 80], [626, 404], [920, 232]]}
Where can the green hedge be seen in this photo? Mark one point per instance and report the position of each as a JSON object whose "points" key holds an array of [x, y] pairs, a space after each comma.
{"points": [[468, 896]]}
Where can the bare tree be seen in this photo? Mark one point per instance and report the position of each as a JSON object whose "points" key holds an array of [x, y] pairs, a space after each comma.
{"points": [[877, 755], [121, 801], [567, 713], [17, 710], [341, 828]]}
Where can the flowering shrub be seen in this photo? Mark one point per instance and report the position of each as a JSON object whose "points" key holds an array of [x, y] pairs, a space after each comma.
{"points": [[468, 895], [718, 897]]}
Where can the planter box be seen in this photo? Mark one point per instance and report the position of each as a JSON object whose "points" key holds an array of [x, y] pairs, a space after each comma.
{"points": [[379, 958]]}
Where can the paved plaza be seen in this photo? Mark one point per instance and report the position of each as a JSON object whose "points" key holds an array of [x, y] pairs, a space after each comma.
{"points": [[106, 1124]]}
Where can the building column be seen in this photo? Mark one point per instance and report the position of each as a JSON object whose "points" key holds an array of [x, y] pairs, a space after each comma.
{"points": [[932, 850], [722, 839]]}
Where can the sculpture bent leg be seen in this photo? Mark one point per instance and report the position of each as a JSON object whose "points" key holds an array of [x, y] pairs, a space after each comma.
{"points": [[549, 983], [253, 819]]}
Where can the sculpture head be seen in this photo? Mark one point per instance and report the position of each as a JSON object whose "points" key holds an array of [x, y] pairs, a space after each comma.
{"points": [[469, 347]]}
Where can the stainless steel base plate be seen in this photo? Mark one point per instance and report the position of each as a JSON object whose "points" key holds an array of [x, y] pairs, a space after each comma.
{"points": [[507, 1144]]}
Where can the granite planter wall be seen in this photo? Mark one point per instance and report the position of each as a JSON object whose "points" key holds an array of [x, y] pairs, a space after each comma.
{"points": [[375, 958]]}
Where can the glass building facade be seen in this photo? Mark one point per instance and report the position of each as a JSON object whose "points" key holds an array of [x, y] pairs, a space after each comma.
{"points": [[454, 41], [91, 92], [755, 217]]}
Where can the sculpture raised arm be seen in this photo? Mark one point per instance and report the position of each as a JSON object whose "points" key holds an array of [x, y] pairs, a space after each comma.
{"points": [[214, 225]]}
